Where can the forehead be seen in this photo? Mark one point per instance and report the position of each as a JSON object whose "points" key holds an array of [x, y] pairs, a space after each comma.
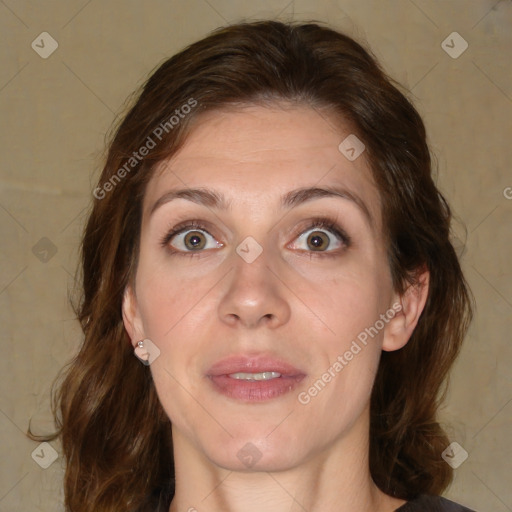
{"points": [[259, 151]]}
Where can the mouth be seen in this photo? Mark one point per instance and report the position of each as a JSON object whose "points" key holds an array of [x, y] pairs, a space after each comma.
{"points": [[254, 378]]}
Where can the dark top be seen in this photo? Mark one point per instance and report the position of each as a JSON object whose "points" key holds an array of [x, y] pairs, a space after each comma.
{"points": [[426, 503]]}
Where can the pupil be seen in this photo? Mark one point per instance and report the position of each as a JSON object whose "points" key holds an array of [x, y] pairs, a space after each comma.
{"points": [[316, 240], [195, 241]]}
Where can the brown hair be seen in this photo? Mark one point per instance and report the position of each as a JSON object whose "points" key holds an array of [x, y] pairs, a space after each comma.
{"points": [[115, 435]]}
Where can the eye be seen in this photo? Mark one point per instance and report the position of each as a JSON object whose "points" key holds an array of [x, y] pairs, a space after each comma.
{"points": [[322, 235], [329, 237], [192, 237]]}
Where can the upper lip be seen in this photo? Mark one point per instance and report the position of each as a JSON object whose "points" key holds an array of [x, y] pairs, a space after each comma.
{"points": [[252, 364]]}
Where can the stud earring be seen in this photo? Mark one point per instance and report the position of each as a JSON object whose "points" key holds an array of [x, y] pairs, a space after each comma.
{"points": [[141, 352]]}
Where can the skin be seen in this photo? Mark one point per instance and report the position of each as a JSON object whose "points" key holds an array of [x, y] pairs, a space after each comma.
{"points": [[291, 302]]}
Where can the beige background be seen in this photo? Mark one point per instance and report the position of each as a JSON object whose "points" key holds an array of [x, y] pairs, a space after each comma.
{"points": [[55, 113]]}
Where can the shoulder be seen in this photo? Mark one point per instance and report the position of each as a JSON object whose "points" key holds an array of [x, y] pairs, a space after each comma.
{"points": [[427, 503]]}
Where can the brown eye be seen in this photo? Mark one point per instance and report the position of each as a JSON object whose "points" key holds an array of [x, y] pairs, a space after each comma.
{"points": [[194, 240], [190, 238], [318, 241], [323, 236]]}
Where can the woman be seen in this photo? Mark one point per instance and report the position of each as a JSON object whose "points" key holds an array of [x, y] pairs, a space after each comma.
{"points": [[267, 239]]}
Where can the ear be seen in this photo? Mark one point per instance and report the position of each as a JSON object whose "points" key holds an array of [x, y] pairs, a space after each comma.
{"points": [[408, 307], [131, 316]]}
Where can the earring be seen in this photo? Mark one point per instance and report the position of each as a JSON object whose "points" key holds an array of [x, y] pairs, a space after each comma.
{"points": [[141, 353]]}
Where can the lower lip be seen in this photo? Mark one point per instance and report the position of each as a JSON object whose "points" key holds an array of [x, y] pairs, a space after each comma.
{"points": [[255, 391]]}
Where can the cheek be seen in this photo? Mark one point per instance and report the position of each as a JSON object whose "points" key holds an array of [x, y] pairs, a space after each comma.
{"points": [[350, 305], [169, 301], [173, 309], [347, 300], [341, 386], [176, 309]]}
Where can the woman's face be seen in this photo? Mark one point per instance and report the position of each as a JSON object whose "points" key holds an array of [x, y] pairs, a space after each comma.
{"points": [[269, 327]]}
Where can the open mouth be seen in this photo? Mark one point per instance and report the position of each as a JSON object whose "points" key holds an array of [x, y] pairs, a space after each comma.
{"points": [[255, 376], [254, 379]]}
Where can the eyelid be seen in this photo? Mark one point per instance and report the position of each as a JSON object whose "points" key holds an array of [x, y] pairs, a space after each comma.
{"points": [[329, 225], [183, 227], [319, 223]]}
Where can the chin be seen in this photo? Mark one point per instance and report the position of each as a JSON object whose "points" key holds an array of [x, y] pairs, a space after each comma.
{"points": [[255, 451]]}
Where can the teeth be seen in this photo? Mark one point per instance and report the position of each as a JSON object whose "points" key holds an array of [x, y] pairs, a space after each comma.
{"points": [[255, 376]]}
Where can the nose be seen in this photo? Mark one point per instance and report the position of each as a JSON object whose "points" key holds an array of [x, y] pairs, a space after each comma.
{"points": [[254, 296]]}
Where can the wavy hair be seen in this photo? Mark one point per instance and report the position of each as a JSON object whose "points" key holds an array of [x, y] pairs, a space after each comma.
{"points": [[115, 435]]}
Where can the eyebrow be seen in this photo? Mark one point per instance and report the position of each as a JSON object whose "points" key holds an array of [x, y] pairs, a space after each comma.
{"points": [[292, 199]]}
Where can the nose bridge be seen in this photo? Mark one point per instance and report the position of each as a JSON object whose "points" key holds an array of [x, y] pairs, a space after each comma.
{"points": [[253, 294]]}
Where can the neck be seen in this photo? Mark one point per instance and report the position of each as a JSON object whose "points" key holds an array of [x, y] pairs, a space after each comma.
{"points": [[336, 478]]}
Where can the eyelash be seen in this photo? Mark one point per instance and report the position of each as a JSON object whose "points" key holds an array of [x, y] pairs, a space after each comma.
{"points": [[318, 222]]}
